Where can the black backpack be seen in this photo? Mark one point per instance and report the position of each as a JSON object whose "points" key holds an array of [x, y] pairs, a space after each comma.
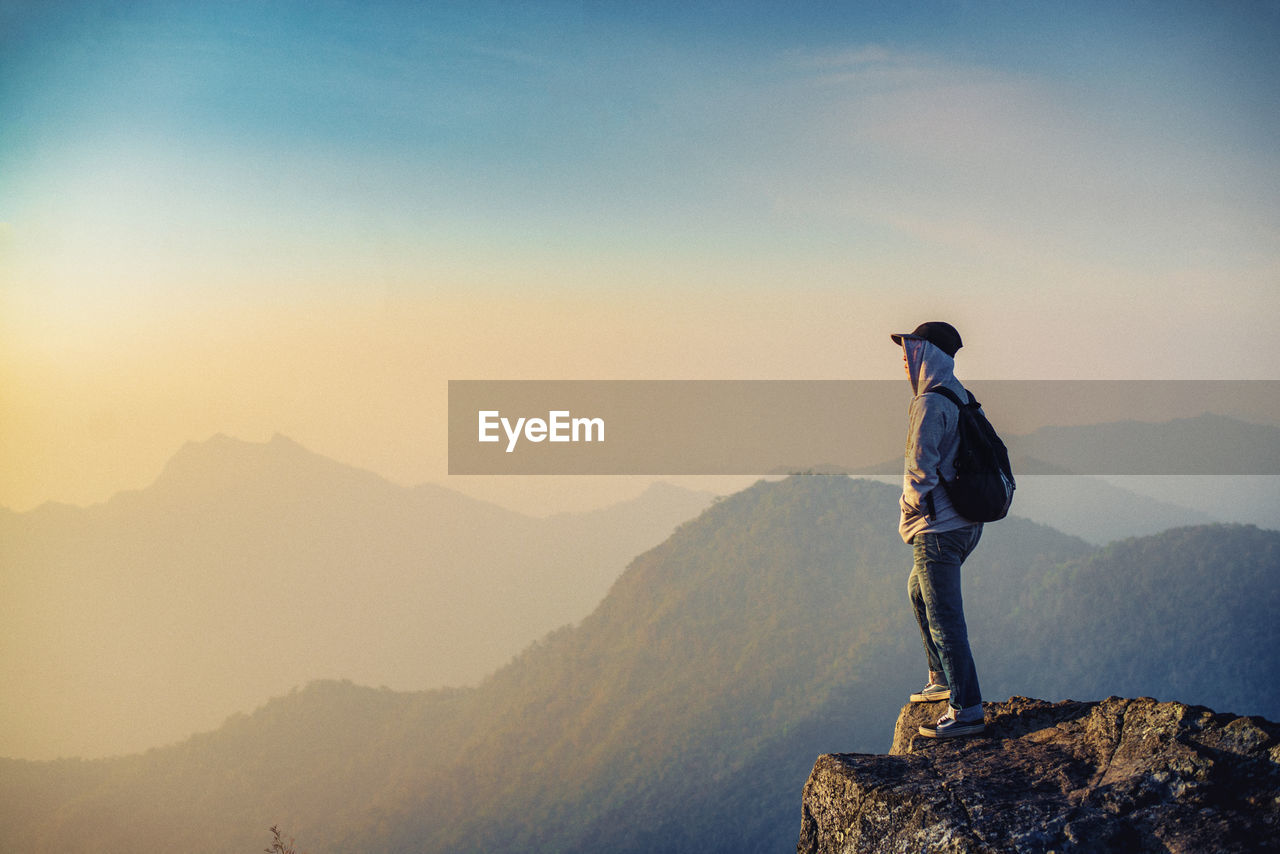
{"points": [[982, 488]]}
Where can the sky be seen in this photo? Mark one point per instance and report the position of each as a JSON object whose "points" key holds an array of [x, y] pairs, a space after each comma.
{"points": [[306, 218]]}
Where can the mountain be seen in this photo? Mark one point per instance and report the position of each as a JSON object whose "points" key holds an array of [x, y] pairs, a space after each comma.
{"points": [[1105, 482], [685, 712], [1188, 614], [767, 631], [1203, 445], [1098, 511], [247, 568], [1251, 499], [1206, 444]]}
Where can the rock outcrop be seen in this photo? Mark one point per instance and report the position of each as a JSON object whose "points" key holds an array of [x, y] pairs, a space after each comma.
{"points": [[1115, 775]]}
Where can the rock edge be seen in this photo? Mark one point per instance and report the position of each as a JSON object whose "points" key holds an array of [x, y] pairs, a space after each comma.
{"points": [[1112, 775]]}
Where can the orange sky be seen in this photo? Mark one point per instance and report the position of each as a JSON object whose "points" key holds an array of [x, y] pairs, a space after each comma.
{"points": [[210, 224]]}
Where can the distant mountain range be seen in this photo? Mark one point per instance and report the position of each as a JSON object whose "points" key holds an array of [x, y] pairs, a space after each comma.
{"points": [[685, 712], [1109, 481], [1098, 511], [1158, 475], [249, 568], [1205, 444]]}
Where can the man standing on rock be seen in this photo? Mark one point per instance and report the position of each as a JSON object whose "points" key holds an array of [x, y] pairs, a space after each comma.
{"points": [[939, 536]]}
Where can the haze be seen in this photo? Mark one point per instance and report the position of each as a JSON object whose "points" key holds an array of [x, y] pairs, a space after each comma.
{"points": [[298, 219], [249, 220]]}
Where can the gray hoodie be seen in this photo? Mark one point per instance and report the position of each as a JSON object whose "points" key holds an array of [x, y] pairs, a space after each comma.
{"points": [[932, 439]]}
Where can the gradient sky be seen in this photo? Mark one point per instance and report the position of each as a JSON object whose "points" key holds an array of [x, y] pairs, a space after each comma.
{"points": [[306, 218]]}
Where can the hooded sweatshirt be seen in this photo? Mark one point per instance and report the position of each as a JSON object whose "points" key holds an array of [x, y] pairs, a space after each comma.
{"points": [[932, 439]]}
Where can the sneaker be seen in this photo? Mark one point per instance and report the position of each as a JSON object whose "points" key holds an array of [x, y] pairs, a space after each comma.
{"points": [[956, 722], [931, 692]]}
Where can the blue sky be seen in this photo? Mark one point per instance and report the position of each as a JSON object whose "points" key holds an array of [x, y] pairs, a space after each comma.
{"points": [[260, 217], [619, 122]]}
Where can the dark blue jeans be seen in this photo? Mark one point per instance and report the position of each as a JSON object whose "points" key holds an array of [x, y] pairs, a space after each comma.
{"points": [[934, 590]]}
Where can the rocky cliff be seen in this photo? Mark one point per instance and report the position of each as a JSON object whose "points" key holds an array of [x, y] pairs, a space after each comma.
{"points": [[1116, 775]]}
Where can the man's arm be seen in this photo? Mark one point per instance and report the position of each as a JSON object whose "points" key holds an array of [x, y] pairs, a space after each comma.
{"points": [[927, 424]]}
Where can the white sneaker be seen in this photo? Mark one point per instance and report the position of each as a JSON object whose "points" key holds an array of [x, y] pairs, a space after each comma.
{"points": [[931, 692], [956, 722]]}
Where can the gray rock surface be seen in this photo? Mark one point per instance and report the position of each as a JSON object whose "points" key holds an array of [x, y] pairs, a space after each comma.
{"points": [[1114, 775]]}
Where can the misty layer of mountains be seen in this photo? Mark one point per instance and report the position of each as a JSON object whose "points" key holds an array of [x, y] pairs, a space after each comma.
{"points": [[247, 569], [250, 568], [684, 713]]}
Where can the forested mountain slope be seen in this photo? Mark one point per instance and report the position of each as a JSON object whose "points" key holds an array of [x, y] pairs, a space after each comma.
{"points": [[685, 713]]}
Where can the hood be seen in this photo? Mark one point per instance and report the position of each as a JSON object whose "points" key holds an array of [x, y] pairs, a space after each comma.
{"points": [[927, 365]]}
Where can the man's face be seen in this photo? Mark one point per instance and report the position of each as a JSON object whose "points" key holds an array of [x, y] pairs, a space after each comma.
{"points": [[906, 368]]}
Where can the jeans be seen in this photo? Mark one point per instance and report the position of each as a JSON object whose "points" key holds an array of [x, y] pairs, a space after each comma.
{"points": [[934, 590]]}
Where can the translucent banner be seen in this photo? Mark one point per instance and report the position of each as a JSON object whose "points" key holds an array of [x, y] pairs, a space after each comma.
{"points": [[694, 427]]}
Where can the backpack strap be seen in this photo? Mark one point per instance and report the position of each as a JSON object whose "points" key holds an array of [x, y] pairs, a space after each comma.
{"points": [[952, 396]]}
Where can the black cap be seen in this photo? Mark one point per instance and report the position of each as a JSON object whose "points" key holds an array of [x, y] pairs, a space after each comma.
{"points": [[941, 335]]}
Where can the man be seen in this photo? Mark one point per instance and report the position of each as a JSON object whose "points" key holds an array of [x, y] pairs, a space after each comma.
{"points": [[939, 536]]}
